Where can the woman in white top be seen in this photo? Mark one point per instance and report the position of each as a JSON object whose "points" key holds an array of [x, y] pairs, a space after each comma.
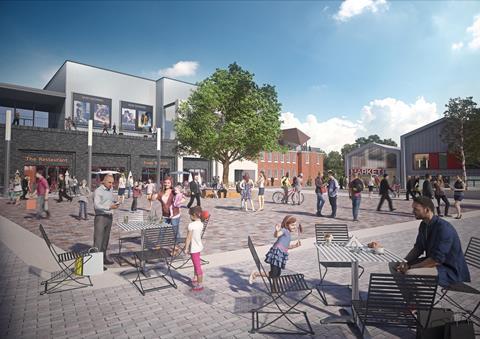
{"points": [[261, 190], [150, 191], [122, 182]]}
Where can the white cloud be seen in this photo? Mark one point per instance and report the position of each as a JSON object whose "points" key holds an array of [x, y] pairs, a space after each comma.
{"points": [[475, 31], [351, 8], [180, 69], [329, 135], [388, 118], [457, 46]]}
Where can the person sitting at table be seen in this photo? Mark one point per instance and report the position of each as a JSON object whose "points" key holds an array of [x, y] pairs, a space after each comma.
{"points": [[439, 240], [221, 189]]}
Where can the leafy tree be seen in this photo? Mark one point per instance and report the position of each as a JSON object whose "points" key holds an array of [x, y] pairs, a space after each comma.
{"points": [[229, 117], [333, 162], [462, 130]]}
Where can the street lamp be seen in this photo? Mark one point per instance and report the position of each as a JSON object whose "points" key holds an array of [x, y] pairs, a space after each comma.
{"points": [[159, 146], [90, 143], [8, 138]]}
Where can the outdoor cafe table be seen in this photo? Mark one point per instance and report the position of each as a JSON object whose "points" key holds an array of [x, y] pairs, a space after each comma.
{"points": [[134, 226], [339, 253]]}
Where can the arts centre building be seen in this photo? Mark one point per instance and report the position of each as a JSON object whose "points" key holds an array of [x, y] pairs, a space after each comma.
{"points": [[78, 93]]}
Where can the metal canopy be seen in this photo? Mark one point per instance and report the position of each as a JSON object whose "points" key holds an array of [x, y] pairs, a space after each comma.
{"points": [[30, 98]]}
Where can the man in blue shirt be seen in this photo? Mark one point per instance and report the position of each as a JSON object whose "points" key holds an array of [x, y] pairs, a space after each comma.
{"points": [[439, 240]]}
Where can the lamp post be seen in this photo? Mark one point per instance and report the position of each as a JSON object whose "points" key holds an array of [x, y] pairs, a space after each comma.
{"points": [[90, 142], [8, 137], [159, 156]]}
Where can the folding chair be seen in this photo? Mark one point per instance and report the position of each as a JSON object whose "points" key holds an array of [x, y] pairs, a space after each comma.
{"points": [[472, 257], [66, 275], [158, 245], [393, 299], [340, 235], [185, 259], [276, 289]]}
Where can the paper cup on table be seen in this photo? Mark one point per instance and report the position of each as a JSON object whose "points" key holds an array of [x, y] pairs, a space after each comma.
{"points": [[379, 250]]}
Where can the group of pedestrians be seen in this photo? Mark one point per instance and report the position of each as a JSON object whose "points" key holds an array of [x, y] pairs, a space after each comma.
{"points": [[245, 188]]}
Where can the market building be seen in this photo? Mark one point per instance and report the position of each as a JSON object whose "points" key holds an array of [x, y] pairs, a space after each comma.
{"points": [[136, 106], [373, 160]]}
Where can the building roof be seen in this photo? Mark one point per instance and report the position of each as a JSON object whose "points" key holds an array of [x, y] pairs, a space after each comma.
{"points": [[25, 97], [420, 129], [361, 148], [293, 136], [110, 70]]}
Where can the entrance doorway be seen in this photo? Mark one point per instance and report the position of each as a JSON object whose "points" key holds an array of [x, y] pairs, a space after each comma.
{"points": [[50, 173]]}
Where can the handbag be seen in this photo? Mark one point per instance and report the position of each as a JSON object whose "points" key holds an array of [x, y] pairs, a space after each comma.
{"points": [[31, 204], [89, 265], [323, 189]]}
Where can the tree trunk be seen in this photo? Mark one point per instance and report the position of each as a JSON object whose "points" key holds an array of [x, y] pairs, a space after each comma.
{"points": [[226, 166]]}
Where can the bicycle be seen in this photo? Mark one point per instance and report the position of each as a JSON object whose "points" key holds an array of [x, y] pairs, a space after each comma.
{"points": [[295, 196]]}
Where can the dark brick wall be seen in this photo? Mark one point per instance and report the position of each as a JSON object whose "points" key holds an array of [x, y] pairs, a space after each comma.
{"points": [[71, 148]]}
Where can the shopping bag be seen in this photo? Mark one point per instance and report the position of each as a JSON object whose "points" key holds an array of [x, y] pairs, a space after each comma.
{"points": [[90, 265], [31, 204]]}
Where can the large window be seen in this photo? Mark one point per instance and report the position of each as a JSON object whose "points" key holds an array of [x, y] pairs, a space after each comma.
{"points": [[262, 156], [275, 156], [170, 115], [421, 161], [270, 156], [307, 157], [27, 117], [40, 119]]}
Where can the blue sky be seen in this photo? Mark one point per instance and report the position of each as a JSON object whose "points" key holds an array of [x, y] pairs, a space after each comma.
{"points": [[342, 70]]}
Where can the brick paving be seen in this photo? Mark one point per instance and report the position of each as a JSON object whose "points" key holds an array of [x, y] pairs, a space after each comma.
{"points": [[229, 225], [220, 311]]}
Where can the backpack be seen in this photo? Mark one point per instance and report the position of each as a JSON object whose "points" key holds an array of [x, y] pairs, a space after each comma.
{"points": [[284, 181], [357, 185], [238, 188]]}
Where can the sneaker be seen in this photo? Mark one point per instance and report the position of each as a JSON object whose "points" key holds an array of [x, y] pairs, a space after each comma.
{"points": [[251, 278], [197, 288]]}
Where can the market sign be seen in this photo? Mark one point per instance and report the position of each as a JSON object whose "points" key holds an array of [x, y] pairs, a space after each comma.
{"points": [[367, 171]]}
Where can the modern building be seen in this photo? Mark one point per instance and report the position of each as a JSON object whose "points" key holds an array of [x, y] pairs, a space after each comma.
{"points": [[423, 151], [373, 160], [79, 92]]}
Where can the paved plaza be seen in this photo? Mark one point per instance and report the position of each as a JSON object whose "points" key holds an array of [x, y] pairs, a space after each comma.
{"points": [[113, 308]]}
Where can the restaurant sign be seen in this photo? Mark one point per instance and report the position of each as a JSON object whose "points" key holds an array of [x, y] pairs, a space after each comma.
{"points": [[45, 160], [367, 171], [153, 163]]}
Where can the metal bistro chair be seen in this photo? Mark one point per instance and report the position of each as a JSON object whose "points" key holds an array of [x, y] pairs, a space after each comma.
{"points": [[393, 298], [182, 257], [340, 235], [472, 257], [276, 290], [66, 275], [158, 245]]}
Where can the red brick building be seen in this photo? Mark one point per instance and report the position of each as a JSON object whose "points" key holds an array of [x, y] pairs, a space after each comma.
{"points": [[300, 158]]}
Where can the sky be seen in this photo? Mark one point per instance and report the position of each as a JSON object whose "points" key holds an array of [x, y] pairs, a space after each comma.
{"points": [[342, 70]]}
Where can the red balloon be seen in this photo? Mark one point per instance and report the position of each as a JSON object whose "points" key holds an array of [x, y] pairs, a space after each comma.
{"points": [[205, 215]]}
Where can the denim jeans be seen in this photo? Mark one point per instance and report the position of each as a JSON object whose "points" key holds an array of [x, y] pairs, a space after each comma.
{"points": [[83, 207], [175, 222], [320, 202], [356, 206], [128, 189], [333, 203]]}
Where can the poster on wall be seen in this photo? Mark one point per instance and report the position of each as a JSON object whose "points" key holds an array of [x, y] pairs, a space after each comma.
{"points": [[86, 107], [136, 117], [129, 117]]}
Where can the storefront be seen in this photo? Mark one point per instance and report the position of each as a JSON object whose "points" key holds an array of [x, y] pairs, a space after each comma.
{"points": [[50, 164], [373, 160], [149, 168]]}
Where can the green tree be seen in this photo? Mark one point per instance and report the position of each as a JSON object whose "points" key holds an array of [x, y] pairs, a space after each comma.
{"points": [[333, 162], [462, 130], [229, 117]]}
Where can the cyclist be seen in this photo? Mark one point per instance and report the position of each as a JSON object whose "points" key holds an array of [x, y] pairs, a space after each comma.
{"points": [[285, 182]]}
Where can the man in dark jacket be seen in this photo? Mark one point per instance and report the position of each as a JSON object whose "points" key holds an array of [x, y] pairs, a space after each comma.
{"points": [[383, 191], [194, 191], [410, 188], [427, 189]]}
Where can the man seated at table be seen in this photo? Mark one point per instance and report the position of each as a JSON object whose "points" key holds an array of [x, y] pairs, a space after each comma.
{"points": [[439, 240], [221, 189]]}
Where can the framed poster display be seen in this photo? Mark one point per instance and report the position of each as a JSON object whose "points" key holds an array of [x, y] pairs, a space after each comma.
{"points": [[86, 107]]}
